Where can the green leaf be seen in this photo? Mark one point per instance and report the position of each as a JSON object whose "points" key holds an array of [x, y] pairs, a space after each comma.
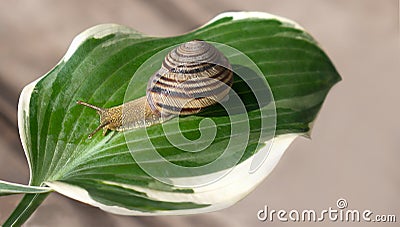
{"points": [[7, 188], [98, 69]]}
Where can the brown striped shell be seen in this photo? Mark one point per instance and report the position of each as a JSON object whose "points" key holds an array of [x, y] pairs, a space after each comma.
{"points": [[192, 76]]}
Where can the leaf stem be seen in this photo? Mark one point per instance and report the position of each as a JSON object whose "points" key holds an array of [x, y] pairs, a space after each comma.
{"points": [[25, 208]]}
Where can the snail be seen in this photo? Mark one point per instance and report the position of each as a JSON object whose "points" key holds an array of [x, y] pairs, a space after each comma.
{"points": [[192, 76]]}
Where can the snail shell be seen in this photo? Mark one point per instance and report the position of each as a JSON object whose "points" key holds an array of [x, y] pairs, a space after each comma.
{"points": [[192, 76]]}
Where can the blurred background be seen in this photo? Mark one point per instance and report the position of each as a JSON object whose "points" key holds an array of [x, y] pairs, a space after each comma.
{"points": [[355, 148]]}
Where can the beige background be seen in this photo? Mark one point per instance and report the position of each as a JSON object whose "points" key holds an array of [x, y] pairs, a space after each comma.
{"points": [[355, 150]]}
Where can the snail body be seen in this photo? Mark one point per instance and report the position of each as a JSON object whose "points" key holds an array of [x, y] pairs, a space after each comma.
{"points": [[192, 76]]}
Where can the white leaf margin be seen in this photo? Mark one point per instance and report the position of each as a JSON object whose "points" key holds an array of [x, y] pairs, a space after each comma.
{"points": [[15, 188], [220, 194]]}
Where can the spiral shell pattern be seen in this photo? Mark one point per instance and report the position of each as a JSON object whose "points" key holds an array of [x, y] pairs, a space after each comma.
{"points": [[193, 76]]}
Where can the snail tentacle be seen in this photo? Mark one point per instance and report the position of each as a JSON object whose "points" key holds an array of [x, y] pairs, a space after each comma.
{"points": [[102, 126], [89, 105]]}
